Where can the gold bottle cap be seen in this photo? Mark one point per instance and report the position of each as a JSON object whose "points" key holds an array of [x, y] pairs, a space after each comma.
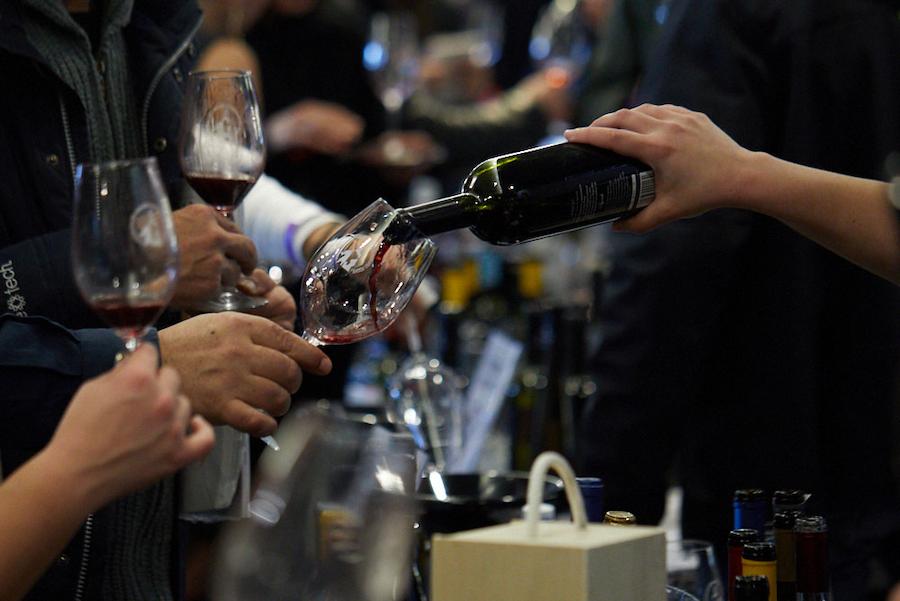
{"points": [[620, 518]]}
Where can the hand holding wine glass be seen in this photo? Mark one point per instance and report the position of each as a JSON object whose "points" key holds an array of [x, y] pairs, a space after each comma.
{"points": [[222, 152], [211, 251], [124, 251]]}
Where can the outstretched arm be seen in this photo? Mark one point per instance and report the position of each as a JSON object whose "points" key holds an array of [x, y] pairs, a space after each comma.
{"points": [[699, 168]]}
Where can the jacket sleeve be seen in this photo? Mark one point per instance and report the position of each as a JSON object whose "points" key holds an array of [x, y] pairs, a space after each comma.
{"points": [[42, 364], [664, 299], [38, 280]]}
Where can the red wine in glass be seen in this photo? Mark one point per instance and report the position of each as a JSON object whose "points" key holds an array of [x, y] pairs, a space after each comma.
{"points": [[224, 193], [124, 249], [383, 247], [222, 154], [130, 318]]}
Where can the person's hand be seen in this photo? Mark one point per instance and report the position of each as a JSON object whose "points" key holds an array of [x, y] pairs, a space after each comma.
{"points": [[212, 252], [320, 126], [233, 364], [894, 594], [281, 308], [549, 89], [128, 428], [697, 166], [318, 237]]}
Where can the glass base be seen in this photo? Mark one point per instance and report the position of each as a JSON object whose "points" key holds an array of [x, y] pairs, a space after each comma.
{"points": [[231, 300]]}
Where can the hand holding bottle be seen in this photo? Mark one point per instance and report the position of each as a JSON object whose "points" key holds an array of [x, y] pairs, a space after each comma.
{"points": [[697, 166]]}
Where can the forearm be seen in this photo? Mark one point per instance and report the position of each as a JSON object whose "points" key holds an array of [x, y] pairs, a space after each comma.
{"points": [[280, 222], [41, 508], [848, 215]]}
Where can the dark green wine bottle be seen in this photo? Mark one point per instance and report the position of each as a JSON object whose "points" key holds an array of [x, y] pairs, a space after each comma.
{"points": [[534, 193]]}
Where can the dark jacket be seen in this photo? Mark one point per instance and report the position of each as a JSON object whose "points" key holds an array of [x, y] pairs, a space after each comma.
{"points": [[42, 137], [752, 355]]}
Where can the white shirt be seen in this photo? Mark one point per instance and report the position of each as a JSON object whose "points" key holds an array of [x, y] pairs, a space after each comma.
{"points": [[279, 221]]}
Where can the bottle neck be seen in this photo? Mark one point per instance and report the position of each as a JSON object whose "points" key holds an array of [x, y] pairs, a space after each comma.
{"points": [[441, 215]]}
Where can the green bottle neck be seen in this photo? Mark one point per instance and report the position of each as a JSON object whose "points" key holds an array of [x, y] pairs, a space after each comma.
{"points": [[437, 216]]}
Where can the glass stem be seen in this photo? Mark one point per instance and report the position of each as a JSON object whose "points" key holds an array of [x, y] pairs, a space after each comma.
{"points": [[131, 344]]}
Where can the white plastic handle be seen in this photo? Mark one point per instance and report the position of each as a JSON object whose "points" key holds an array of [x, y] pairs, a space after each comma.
{"points": [[544, 462]]}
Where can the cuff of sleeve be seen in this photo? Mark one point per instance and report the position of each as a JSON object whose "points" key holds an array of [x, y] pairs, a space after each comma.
{"points": [[296, 235], [99, 348]]}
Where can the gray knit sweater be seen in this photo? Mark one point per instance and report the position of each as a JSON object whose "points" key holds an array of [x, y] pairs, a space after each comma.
{"points": [[137, 533]]}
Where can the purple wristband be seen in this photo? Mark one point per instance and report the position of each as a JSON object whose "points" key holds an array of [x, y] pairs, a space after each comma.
{"points": [[289, 234]]}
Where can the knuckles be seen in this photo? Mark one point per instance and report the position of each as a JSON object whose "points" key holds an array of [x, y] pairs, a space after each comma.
{"points": [[281, 403], [165, 406], [139, 382]]}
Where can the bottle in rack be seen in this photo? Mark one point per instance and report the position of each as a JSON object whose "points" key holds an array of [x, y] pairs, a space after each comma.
{"points": [[758, 559], [751, 588], [577, 383], [736, 541], [750, 505], [812, 559], [532, 194], [533, 382], [785, 554]]}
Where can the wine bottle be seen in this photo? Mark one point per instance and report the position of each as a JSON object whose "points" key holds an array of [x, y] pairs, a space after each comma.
{"points": [[532, 194]]}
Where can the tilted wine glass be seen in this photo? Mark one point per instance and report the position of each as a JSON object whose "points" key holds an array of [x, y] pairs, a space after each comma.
{"points": [[124, 250], [222, 153], [357, 283]]}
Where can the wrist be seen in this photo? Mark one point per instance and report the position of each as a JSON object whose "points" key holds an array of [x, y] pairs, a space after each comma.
{"points": [[59, 474], [750, 179]]}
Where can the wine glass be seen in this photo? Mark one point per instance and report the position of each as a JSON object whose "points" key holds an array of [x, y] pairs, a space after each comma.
{"points": [[357, 283], [560, 43], [222, 153], [332, 517], [691, 566], [392, 56], [124, 250], [426, 398]]}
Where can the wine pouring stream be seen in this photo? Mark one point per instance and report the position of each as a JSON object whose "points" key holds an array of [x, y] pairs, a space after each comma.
{"points": [[358, 283]]}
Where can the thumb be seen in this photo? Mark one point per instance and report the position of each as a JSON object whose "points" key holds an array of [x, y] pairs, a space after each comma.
{"points": [[198, 442], [636, 224]]}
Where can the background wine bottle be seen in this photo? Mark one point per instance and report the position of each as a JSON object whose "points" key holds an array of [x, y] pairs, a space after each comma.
{"points": [[534, 193]]}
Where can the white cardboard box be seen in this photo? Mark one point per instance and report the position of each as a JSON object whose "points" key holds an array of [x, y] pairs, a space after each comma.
{"points": [[501, 563]]}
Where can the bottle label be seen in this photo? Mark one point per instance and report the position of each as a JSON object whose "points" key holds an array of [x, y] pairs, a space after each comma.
{"points": [[623, 193], [647, 190]]}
